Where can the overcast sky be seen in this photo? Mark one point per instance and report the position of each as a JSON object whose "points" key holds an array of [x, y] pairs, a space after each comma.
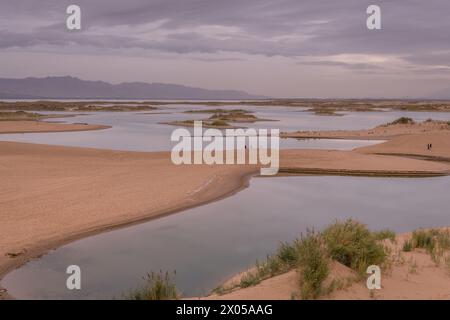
{"points": [[279, 48]]}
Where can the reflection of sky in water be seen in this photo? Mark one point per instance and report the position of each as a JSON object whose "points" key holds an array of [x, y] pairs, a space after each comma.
{"points": [[207, 244], [142, 132]]}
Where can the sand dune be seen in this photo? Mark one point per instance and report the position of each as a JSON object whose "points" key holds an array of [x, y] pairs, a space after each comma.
{"points": [[381, 132], [413, 275]]}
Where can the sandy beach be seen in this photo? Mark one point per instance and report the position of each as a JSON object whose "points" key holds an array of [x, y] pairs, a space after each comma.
{"points": [[381, 132], [51, 195]]}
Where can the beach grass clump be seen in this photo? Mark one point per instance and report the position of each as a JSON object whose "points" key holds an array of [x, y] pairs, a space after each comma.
{"points": [[402, 120], [348, 242], [385, 234], [288, 253], [284, 259], [353, 245], [424, 239], [408, 246], [435, 242], [313, 265], [250, 279], [158, 286]]}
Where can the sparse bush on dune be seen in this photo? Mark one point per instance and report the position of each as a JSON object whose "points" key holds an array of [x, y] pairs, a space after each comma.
{"points": [[348, 242], [385, 234], [435, 242], [353, 245], [313, 265], [407, 246]]}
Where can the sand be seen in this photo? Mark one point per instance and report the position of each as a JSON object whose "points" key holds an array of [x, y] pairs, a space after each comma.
{"points": [[40, 126], [332, 162], [415, 145], [381, 132], [413, 275], [51, 195]]}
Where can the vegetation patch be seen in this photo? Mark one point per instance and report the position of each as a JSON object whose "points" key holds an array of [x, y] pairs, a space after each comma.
{"points": [[84, 106], [353, 245], [158, 286], [348, 242], [402, 120], [435, 242], [313, 265], [19, 115]]}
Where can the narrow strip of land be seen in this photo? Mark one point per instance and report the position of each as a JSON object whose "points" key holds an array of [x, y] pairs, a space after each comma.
{"points": [[41, 127]]}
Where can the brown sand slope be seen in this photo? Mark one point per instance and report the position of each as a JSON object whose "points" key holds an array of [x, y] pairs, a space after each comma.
{"points": [[38, 126], [413, 275], [415, 145], [355, 163]]}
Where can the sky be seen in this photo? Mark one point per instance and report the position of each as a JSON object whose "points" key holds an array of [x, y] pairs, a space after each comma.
{"points": [[277, 48]]}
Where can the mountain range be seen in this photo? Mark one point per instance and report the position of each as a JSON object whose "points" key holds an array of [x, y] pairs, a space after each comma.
{"points": [[74, 88]]}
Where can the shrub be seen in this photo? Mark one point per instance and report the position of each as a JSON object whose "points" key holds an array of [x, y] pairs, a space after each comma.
{"points": [[407, 246], [158, 286], [424, 239], [288, 253], [250, 279], [385, 234], [353, 245], [435, 242], [313, 264], [402, 120]]}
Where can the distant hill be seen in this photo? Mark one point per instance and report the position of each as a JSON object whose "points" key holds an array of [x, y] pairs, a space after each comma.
{"points": [[74, 88]]}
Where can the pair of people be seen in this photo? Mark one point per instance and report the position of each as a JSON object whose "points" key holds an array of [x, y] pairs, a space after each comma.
{"points": [[429, 146]]}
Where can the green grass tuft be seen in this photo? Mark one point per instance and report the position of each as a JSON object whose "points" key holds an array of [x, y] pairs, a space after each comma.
{"points": [[158, 286], [384, 234], [353, 245], [408, 246], [313, 265]]}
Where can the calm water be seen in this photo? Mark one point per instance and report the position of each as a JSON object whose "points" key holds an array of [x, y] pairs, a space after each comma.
{"points": [[142, 132], [206, 245]]}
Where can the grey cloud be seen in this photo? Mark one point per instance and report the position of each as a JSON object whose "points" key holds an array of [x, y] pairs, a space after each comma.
{"points": [[413, 26], [352, 66]]}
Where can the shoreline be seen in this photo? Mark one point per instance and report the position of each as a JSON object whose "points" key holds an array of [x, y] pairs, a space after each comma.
{"points": [[238, 184], [297, 162], [45, 248]]}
